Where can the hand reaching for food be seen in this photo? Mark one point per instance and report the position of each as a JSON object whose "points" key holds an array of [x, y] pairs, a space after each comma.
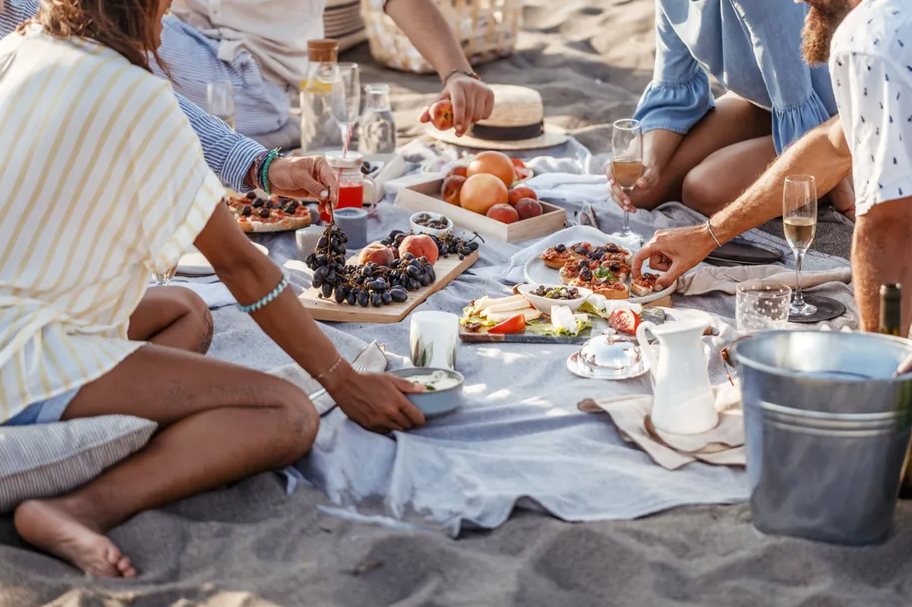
{"points": [[463, 102]]}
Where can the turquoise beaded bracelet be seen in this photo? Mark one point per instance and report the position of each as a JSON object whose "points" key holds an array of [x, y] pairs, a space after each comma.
{"points": [[264, 170], [267, 299]]}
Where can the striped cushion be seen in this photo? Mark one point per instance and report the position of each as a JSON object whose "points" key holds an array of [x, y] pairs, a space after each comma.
{"points": [[50, 459]]}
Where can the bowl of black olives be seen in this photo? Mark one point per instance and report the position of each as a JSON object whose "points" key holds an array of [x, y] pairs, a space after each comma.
{"points": [[433, 224]]}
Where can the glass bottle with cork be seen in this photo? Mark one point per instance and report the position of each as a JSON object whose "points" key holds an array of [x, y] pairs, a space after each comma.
{"points": [[319, 130]]}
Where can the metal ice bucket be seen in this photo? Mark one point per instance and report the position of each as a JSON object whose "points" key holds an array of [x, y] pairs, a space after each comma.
{"points": [[827, 429]]}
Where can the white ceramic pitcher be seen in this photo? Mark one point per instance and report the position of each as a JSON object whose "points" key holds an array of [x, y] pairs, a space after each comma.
{"points": [[683, 400]]}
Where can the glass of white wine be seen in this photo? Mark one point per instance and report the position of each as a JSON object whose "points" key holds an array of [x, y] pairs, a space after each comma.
{"points": [[799, 218], [220, 101], [163, 278], [627, 166]]}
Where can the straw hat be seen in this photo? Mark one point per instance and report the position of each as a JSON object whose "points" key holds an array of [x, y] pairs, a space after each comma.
{"points": [[517, 123]]}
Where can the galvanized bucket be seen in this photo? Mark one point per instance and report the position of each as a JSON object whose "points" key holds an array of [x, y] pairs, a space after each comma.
{"points": [[827, 430]]}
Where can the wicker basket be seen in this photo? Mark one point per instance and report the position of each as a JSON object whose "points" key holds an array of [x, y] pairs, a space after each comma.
{"points": [[487, 30]]}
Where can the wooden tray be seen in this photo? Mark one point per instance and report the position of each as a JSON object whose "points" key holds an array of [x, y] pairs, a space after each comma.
{"points": [[328, 310], [426, 197]]}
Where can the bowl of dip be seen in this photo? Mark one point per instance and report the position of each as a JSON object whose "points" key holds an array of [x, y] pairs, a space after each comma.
{"points": [[442, 389]]}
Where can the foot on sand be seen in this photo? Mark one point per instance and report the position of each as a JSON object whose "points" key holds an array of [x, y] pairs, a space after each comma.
{"points": [[47, 526]]}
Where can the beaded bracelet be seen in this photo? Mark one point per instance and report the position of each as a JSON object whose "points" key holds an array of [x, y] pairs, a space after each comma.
{"points": [[267, 299], [264, 170], [257, 165], [331, 369]]}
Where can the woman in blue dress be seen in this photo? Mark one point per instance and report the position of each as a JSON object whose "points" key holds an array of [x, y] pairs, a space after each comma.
{"points": [[705, 152]]}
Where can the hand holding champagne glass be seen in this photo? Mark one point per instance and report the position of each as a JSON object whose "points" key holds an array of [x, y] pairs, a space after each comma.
{"points": [[799, 218], [627, 165]]}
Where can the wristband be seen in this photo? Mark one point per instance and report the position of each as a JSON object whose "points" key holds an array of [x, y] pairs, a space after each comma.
{"points": [[710, 228]]}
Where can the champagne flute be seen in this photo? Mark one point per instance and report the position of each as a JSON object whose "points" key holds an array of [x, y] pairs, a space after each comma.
{"points": [[799, 218], [220, 101], [627, 165], [345, 99]]}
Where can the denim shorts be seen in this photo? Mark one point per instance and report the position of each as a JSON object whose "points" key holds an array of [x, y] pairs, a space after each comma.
{"points": [[43, 412]]}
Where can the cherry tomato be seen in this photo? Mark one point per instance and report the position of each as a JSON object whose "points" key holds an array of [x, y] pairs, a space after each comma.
{"points": [[516, 324], [624, 320]]}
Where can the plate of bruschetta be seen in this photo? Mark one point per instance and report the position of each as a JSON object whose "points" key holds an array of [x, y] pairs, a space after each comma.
{"points": [[601, 267]]}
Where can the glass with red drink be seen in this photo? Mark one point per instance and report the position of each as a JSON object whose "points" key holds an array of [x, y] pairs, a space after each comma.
{"points": [[355, 189]]}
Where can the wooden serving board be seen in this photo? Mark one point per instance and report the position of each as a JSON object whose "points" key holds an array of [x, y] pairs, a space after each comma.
{"points": [[446, 269], [426, 197]]}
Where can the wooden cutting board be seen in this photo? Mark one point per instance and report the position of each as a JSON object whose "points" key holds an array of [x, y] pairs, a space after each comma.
{"points": [[328, 310]]}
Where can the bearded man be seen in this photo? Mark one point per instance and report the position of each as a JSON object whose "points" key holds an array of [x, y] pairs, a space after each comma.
{"points": [[869, 48]]}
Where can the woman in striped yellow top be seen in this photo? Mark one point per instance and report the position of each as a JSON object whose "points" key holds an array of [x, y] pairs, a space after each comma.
{"points": [[103, 181]]}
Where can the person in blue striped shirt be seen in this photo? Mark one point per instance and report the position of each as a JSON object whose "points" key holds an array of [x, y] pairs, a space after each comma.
{"points": [[230, 155]]}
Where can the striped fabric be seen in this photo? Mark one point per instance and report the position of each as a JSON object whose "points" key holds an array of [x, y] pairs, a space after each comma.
{"points": [[228, 153], [52, 459], [103, 181]]}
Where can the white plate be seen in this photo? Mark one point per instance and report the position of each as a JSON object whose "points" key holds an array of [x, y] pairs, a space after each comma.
{"points": [[580, 370], [195, 263], [537, 272]]}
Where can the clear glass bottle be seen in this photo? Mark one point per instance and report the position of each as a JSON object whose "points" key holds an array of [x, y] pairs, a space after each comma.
{"points": [[319, 130], [377, 128]]}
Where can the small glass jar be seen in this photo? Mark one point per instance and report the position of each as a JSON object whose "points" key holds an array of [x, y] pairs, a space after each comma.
{"points": [[377, 127], [354, 187]]}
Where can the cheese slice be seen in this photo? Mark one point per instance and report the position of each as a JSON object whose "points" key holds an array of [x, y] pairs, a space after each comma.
{"points": [[481, 306], [513, 306], [478, 303], [529, 313], [562, 318]]}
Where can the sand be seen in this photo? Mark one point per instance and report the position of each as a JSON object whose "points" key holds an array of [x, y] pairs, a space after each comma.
{"points": [[590, 60]]}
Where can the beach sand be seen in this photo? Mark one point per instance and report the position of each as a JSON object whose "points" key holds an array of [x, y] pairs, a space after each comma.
{"points": [[249, 546]]}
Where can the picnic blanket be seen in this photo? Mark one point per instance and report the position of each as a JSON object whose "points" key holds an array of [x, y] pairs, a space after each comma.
{"points": [[519, 443], [520, 440]]}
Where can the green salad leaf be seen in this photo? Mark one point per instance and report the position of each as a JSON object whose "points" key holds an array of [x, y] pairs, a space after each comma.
{"points": [[547, 329]]}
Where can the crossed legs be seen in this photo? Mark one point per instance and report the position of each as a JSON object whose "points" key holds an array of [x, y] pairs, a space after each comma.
{"points": [[218, 423], [717, 160]]}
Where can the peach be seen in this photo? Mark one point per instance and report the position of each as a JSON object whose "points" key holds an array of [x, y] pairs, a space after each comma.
{"points": [[376, 252], [451, 187], [420, 245], [481, 192], [503, 213], [528, 207], [442, 115], [520, 192], [461, 170]]}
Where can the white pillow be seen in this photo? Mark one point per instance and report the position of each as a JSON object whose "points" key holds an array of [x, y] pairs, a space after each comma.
{"points": [[46, 460]]}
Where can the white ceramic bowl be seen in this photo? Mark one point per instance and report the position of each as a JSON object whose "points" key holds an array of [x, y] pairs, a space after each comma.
{"points": [[544, 305], [420, 229]]}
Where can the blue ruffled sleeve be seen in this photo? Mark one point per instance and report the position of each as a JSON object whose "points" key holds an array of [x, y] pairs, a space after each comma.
{"points": [[679, 94], [802, 96]]}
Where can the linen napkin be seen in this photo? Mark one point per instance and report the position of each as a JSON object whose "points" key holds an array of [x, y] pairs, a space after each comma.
{"points": [[708, 279], [723, 445], [372, 359]]}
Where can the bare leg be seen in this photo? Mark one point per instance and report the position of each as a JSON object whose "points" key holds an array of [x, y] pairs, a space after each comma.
{"points": [[732, 121], [219, 423], [172, 316], [725, 174]]}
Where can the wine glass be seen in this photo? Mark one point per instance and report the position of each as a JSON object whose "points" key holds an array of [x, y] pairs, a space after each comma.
{"points": [[627, 165], [345, 99], [220, 101], [799, 218], [163, 278]]}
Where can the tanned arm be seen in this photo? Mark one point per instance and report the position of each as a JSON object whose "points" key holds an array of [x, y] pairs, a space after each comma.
{"points": [[879, 256], [822, 153]]}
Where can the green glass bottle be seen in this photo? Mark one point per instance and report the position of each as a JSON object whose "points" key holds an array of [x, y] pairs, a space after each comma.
{"points": [[891, 309]]}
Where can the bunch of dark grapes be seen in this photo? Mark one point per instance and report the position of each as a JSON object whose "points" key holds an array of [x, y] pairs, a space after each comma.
{"points": [[367, 285], [447, 245]]}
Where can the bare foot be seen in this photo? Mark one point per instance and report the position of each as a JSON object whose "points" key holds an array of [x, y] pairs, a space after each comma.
{"points": [[47, 526]]}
